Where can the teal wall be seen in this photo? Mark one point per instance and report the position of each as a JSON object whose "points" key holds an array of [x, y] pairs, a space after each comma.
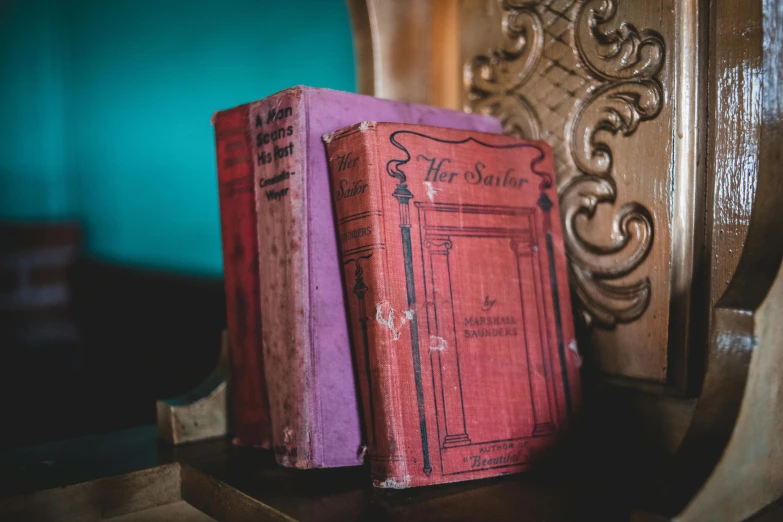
{"points": [[110, 104], [33, 179]]}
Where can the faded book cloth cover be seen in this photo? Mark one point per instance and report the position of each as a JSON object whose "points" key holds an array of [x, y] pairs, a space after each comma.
{"points": [[458, 299], [306, 349], [238, 223]]}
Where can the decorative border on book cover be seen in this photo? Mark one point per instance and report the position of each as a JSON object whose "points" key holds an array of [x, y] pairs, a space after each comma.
{"points": [[360, 288], [438, 240], [438, 243]]}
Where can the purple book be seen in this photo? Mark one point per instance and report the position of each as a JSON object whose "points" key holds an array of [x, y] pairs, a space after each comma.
{"points": [[306, 348]]}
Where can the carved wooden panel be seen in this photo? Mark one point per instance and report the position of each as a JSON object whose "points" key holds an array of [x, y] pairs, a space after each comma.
{"points": [[612, 86], [655, 200]]}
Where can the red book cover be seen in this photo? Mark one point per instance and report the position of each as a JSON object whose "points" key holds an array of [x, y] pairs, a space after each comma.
{"points": [[458, 303], [250, 409]]}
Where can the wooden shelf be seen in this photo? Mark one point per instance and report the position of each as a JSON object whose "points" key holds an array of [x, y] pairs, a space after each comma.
{"points": [[247, 480], [342, 494]]}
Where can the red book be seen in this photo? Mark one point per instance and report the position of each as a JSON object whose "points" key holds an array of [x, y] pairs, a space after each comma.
{"points": [[250, 408], [458, 303]]}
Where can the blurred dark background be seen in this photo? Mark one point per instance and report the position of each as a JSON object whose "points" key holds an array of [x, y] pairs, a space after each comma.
{"points": [[111, 291]]}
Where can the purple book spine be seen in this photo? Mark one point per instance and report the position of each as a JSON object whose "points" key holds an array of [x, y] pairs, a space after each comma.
{"points": [[306, 348]]}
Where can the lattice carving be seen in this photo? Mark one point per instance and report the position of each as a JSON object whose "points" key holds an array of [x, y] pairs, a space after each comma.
{"points": [[570, 74]]}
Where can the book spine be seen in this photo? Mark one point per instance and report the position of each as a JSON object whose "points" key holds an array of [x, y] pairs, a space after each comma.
{"points": [[278, 125], [240, 268], [373, 323]]}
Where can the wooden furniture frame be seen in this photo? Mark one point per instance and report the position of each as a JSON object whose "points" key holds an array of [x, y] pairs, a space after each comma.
{"points": [[664, 118]]}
